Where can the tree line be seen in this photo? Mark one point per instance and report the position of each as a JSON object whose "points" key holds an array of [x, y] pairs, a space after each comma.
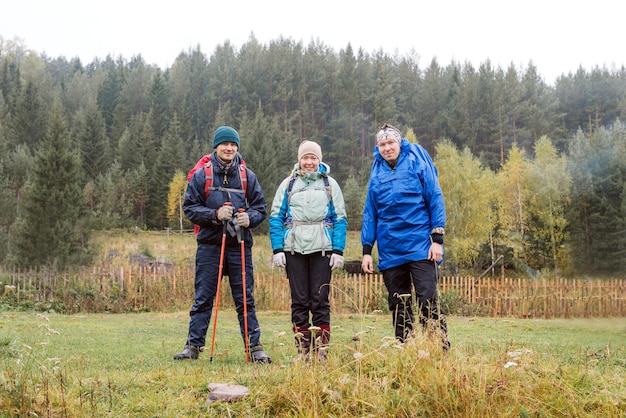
{"points": [[531, 172]]}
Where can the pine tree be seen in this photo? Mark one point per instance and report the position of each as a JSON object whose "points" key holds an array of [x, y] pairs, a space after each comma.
{"points": [[597, 214], [30, 116], [134, 142], [109, 91], [90, 136], [47, 230], [159, 104]]}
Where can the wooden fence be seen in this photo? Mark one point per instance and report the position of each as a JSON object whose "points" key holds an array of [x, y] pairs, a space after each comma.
{"points": [[167, 288], [540, 298]]}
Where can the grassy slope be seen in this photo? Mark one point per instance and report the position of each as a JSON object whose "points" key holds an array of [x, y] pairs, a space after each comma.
{"points": [[179, 248], [121, 365]]}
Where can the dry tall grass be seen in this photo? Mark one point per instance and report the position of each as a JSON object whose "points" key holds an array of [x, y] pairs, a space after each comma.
{"points": [[121, 365]]}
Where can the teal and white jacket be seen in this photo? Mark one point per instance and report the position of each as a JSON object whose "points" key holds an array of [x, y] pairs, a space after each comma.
{"points": [[310, 216]]}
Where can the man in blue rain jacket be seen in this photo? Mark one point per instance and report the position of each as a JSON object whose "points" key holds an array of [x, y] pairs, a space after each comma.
{"points": [[405, 215]]}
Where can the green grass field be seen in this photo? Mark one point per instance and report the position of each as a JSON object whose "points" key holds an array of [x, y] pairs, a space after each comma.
{"points": [[122, 366]]}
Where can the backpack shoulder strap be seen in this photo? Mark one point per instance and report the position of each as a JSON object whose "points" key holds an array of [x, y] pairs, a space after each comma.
{"points": [[208, 175], [208, 178], [327, 187], [243, 175], [329, 193], [292, 180]]}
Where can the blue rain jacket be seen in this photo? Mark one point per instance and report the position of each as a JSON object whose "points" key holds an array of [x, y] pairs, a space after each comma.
{"points": [[402, 206]]}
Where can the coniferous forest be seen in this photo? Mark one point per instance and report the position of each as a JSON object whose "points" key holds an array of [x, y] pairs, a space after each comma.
{"points": [[530, 171]]}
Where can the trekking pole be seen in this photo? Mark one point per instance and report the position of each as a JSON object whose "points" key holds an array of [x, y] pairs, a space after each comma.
{"points": [[243, 284], [219, 282]]}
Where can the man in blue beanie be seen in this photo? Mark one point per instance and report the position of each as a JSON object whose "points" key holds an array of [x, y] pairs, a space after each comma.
{"points": [[235, 203]]}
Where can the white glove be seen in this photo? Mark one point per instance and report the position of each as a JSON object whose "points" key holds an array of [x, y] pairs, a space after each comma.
{"points": [[224, 213], [336, 261], [243, 219], [279, 259]]}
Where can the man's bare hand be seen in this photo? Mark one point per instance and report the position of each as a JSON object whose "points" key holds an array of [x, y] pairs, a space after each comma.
{"points": [[435, 252], [367, 264]]}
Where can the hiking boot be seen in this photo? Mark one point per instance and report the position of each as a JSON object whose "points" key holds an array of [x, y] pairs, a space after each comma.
{"points": [[257, 355], [321, 342], [189, 353], [302, 338]]}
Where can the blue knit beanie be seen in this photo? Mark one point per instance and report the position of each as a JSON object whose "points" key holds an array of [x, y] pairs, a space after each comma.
{"points": [[225, 134]]}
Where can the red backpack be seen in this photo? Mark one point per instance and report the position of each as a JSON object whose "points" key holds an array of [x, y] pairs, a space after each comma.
{"points": [[205, 162]]}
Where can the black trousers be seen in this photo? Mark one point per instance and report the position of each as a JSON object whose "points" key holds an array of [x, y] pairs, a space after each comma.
{"points": [[421, 275], [309, 282]]}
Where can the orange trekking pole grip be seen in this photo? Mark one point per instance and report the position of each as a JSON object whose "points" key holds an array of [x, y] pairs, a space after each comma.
{"points": [[245, 301], [219, 282]]}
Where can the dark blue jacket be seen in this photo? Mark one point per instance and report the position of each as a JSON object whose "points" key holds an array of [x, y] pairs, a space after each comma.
{"points": [[227, 181]]}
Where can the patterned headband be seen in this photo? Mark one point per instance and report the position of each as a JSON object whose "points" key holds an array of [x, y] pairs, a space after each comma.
{"points": [[387, 132]]}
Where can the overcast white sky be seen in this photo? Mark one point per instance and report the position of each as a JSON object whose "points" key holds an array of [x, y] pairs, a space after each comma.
{"points": [[558, 36]]}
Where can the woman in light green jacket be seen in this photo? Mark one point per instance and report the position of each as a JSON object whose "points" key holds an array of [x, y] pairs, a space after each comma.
{"points": [[308, 227]]}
